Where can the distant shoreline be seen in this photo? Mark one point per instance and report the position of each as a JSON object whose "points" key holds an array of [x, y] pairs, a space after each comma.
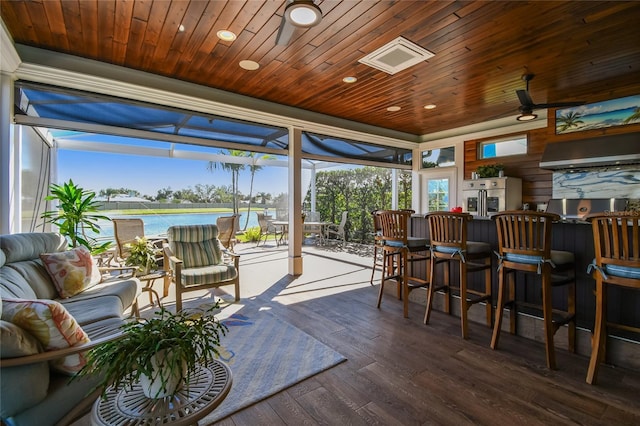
{"points": [[131, 212]]}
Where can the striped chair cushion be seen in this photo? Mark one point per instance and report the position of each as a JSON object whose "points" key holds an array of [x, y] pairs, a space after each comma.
{"points": [[558, 257], [208, 275], [196, 245], [623, 271]]}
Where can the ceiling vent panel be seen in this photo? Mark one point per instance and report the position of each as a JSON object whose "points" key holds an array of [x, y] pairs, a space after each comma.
{"points": [[396, 56]]}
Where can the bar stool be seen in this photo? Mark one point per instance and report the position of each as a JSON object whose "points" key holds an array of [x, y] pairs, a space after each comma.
{"points": [[617, 262], [377, 244], [524, 244], [448, 234], [400, 254]]}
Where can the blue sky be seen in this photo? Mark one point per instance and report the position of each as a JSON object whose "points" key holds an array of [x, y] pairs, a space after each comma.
{"points": [[96, 171]]}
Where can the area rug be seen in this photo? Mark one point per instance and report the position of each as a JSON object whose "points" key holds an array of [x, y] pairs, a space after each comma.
{"points": [[266, 355]]}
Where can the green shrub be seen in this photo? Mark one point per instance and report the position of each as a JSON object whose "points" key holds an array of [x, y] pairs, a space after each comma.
{"points": [[251, 235]]}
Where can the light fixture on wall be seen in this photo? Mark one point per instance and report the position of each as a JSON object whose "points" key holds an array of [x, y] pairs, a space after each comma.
{"points": [[303, 13]]}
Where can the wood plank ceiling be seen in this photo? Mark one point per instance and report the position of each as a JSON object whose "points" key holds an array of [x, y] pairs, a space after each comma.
{"points": [[579, 50]]}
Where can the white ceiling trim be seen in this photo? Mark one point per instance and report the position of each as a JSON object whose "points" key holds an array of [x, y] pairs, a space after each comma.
{"points": [[9, 58]]}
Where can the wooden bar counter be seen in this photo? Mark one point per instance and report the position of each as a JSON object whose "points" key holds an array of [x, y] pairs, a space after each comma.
{"points": [[576, 237]]}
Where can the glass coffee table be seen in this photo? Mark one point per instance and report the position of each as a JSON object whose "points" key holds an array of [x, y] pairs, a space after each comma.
{"points": [[209, 385]]}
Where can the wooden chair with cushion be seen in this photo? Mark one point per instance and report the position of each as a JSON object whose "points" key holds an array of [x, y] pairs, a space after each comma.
{"points": [[227, 228], [449, 244], [199, 261], [616, 241], [400, 255], [524, 245]]}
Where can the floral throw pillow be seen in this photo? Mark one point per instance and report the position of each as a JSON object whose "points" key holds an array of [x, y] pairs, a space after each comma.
{"points": [[71, 271], [53, 326]]}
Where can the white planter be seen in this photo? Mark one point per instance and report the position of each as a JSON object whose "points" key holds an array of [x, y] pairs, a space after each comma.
{"points": [[163, 382]]}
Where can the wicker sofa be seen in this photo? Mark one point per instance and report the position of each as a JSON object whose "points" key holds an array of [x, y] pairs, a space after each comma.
{"points": [[32, 391]]}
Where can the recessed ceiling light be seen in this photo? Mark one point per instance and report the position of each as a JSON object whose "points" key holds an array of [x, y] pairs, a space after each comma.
{"points": [[226, 35], [430, 106], [181, 28], [394, 108], [249, 65], [350, 79]]}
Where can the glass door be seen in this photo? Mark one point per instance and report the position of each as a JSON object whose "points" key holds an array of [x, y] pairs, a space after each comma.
{"points": [[438, 190]]}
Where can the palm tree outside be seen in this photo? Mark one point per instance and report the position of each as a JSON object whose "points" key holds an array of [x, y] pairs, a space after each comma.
{"points": [[254, 168], [235, 170]]}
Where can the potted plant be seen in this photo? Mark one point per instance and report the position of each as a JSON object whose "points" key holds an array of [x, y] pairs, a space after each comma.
{"points": [[142, 255], [160, 352], [489, 170], [76, 214]]}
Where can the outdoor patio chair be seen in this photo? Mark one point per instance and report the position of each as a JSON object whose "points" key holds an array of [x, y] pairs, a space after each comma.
{"points": [[267, 228], [338, 230], [125, 232], [227, 227], [199, 261]]}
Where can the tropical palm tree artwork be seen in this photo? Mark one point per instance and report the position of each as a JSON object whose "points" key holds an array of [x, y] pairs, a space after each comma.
{"points": [[568, 121]]}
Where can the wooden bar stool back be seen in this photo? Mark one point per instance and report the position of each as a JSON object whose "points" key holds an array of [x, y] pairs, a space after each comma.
{"points": [[524, 244], [617, 263], [448, 237], [400, 253]]}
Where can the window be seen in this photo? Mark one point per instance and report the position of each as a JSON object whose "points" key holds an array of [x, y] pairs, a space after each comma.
{"points": [[504, 147], [438, 194], [441, 157]]}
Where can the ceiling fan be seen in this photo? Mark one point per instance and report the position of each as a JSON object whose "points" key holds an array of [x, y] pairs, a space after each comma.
{"points": [[527, 106], [297, 14]]}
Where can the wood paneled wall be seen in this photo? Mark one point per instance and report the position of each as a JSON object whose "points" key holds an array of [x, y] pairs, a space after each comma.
{"points": [[536, 182]]}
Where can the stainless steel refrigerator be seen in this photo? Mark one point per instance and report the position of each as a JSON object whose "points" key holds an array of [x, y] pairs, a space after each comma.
{"points": [[485, 196]]}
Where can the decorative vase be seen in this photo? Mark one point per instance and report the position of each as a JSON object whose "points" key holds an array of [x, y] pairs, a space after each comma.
{"points": [[165, 380]]}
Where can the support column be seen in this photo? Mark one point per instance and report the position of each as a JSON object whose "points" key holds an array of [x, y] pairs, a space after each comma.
{"points": [[394, 189], [9, 190], [313, 188], [295, 201]]}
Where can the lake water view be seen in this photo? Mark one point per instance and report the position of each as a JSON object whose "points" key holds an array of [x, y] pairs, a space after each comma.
{"points": [[157, 224]]}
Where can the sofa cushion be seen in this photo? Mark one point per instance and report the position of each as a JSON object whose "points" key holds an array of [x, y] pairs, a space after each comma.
{"points": [[87, 311], [71, 271], [50, 323], [104, 328], [28, 246], [126, 290], [27, 279], [25, 385]]}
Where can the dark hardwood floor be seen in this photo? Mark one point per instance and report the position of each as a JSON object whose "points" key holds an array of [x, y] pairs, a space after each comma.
{"points": [[402, 372]]}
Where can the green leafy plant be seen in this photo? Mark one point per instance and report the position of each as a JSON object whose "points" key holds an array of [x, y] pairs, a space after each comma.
{"points": [[142, 254], [250, 235], [75, 214], [188, 338], [490, 170]]}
